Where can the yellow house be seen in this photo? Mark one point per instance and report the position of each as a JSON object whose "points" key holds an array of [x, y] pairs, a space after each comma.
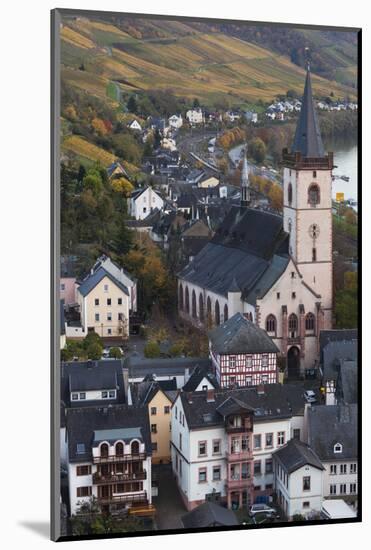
{"points": [[104, 305], [159, 410]]}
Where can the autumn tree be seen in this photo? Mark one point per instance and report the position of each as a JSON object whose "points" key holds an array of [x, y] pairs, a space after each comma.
{"points": [[276, 196], [99, 126], [122, 185], [257, 149]]}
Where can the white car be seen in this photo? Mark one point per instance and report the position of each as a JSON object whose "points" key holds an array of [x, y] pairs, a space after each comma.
{"points": [[310, 396], [262, 509]]}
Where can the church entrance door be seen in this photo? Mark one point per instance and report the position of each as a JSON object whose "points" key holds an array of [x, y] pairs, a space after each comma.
{"points": [[293, 362]]}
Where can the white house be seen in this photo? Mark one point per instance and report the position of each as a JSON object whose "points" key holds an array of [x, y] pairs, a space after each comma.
{"points": [[222, 441], [176, 121], [109, 458], [195, 116], [134, 125], [232, 116], [143, 201], [277, 270], [298, 479], [332, 434]]}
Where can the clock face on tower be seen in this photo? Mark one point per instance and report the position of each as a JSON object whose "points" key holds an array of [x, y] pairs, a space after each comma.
{"points": [[314, 230]]}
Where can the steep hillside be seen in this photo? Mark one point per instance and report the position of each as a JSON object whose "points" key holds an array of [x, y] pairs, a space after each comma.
{"points": [[207, 61]]}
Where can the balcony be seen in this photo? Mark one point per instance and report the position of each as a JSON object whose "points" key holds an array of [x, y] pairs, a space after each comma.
{"points": [[118, 458], [240, 456], [99, 478], [238, 483], [134, 499], [238, 429]]}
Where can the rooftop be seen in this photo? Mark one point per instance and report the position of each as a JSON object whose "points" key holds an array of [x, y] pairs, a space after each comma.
{"points": [[296, 454]]}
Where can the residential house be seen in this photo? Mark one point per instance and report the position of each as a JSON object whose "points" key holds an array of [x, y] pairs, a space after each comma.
{"points": [[251, 116], [201, 379], [134, 125], [105, 297], [208, 181], [143, 201], [338, 355], [176, 121], [109, 458], [195, 116], [298, 479], [333, 435], [116, 170], [232, 116], [223, 440], [242, 353]]}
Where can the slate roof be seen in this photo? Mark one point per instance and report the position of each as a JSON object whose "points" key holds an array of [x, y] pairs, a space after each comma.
{"points": [[347, 383], [331, 424], [93, 279], [209, 514], [336, 335], [335, 352], [276, 401], [94, 375], [308, 138], [198, 374], [249, 246], [81, 424], [238, 335], [296, 454], [176, 366]]}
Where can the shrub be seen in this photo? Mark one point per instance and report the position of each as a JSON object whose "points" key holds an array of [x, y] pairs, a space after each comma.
{"points": [[152, 349]]}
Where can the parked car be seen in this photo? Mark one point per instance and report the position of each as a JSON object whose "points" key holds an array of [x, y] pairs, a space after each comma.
{"points": [[262, 509], [310, 396]]}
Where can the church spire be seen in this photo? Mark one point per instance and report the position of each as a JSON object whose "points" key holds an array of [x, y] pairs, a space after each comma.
{"points": [[308, 139], [245, 185]]}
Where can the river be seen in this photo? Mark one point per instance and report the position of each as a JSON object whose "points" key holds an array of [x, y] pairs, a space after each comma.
{"points": [[345, 158]]}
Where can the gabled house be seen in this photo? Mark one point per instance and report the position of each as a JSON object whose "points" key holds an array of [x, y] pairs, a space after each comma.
{"points": [[222, 441], [106, 297], [332, 434], [176, 121], [109, 458], [242, 354], [116, 170], [195, 116], [298, 479], [134, 125], [143, 201], [208, 181], [201, 379]]}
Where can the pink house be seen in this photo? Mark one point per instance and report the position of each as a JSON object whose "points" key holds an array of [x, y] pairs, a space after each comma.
{"points": [[67, 290]]}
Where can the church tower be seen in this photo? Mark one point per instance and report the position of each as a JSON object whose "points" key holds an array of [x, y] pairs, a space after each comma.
{"points": [[307, 204], [245, 184]]}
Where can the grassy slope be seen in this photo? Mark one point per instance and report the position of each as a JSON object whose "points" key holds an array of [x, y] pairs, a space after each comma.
{"points": [[191, 63]]}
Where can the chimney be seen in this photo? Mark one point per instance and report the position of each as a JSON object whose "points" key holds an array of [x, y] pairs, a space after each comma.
{"points": [[125, 374], [190, 397], [186, 375], [210, 395], [260, 389]]}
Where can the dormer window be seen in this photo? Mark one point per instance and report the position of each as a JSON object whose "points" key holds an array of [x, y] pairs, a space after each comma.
{"points": [[75, 396], [338, 448]]}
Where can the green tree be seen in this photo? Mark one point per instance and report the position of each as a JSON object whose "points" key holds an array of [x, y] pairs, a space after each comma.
{"points": [[346, 309], [93, 182], [115, 353], [152, 350], [257, 149], [94, 351], [132, 104]]}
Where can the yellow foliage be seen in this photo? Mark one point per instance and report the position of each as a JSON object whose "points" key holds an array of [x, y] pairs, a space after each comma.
{"points": [[82, 147], [99, 126], [76, 38], [276, 196], [122, 185], [70, 112], [350, 280]]}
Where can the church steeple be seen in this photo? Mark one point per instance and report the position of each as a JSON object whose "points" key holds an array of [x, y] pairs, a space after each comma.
{"points": [[308, 140], [245, 185]]}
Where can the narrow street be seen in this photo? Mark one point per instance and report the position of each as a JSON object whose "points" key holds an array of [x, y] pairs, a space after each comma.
{"points": [[168, 503]]}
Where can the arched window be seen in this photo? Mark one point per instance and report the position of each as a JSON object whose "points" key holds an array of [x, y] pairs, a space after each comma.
{"points": [[181, 298], [194, 306], [313, 194], [134, 448], [289, 193], [119, 448], [187, 300], [104, 450], [209, 314], [270, 324], [293, 325], [225, 313], [201, 308], [309, 321], [217, 313]]}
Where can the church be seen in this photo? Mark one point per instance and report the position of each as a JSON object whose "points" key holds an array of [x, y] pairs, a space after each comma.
{"points": [[275, 270]]}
